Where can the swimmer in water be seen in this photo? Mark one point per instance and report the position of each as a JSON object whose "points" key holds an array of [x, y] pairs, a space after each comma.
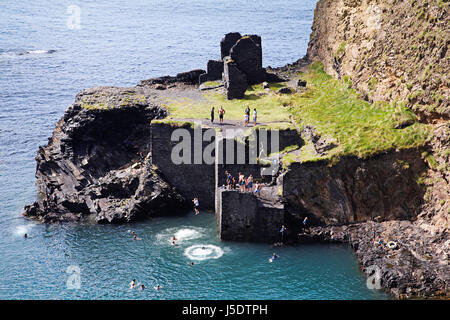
{"points": [[157, 287], [274, 256], [25, 235], [133, 284], [142, 287], [135, 236], [173, 243], [192, 264]]}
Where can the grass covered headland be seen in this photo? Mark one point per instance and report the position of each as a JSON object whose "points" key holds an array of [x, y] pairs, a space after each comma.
{"points": [[356, 126], [330, 106]]}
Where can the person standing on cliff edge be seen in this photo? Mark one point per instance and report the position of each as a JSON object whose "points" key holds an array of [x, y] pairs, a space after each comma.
{"points": [[221, 113], [212, 115]]}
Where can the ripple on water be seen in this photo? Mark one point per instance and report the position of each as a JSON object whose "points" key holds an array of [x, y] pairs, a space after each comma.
{"points": [[203, 252]]}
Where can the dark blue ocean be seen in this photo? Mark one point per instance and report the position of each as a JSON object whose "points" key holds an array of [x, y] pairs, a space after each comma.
{"points": [[45, 59]]}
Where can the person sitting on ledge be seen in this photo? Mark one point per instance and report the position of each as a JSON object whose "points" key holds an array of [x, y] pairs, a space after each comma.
{"points": [[233, 185]]}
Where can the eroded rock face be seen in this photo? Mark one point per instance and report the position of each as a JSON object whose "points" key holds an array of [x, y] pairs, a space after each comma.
{"points": [[355, 190], [247, 53], [234, 79], [227, 42], [97, 162], [391, 50]]}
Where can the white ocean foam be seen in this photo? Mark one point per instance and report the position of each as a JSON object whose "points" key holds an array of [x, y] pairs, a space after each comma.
{"points": [[37, 51], [187, 234], [203, 252], [181, 235], [21, 230]]}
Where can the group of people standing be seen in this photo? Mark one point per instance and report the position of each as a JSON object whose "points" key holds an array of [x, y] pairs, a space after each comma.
{"points": [[221, 114], [244, 184], [247, 116]]}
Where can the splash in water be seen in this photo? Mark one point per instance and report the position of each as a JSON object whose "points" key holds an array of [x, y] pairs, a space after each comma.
{"points": [[203, 252]]}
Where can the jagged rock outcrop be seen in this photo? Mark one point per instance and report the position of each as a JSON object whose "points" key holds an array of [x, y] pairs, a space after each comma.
{"points": [[97, 164]]}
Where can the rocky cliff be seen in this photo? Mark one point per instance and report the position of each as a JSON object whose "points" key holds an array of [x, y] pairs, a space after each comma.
{"points": [[396, 51], [97, 165], [391, 50]]}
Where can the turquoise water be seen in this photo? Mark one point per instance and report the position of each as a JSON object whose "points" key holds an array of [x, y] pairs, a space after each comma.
{"points": [[108, 259], [121, 43]]}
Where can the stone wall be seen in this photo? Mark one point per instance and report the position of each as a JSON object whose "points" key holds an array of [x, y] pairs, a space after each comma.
{"points": [[242, 217], [190, 180]]}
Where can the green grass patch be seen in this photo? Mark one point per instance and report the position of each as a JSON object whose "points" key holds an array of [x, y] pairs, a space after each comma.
{"points": [[268, 104], [211, 84], [358, 127], [176, 123]]}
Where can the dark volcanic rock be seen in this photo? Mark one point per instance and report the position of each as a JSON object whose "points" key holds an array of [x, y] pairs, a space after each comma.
{"points": [[97, 162], [227, 42], [285, 90], [247, 53], [234, 80], [215, 69], [190, 77], [301, 83], [356, 190]]}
